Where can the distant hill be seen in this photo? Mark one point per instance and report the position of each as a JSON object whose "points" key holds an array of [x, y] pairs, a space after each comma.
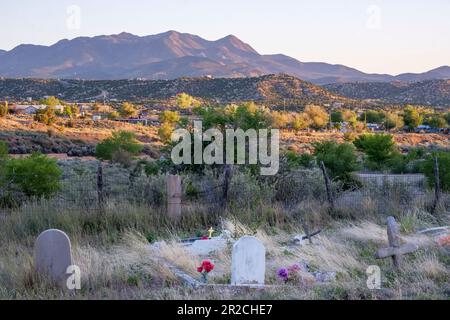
{"points": [[172, 55], [429, 92], [274, 89]]}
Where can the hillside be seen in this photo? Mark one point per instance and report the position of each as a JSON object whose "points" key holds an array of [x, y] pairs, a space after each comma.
{"points": [[274, 89], [430, 92], [172, 55]]}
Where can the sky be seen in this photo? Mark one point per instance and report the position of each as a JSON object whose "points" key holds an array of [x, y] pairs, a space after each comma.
{"points": [[376, 36]]}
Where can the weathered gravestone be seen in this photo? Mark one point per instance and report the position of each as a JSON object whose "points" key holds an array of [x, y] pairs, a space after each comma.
{"points": [[53, 255], [248, 265], [395, 250]]}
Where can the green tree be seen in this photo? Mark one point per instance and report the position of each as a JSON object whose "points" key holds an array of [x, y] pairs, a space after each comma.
{"points": [[350, 117], [447, 117], [436, 121], [444, 169], [318, 116], [36, 175], [46, 116], [412, 117], [301, 121], [339, 159], [379, 148], [337, 117], [119, 142], [185, 101], [372, 116], [113, 115], [393, 121], [165, 132], [50, 101], [4, 109], [171, 117], [128, 110]]}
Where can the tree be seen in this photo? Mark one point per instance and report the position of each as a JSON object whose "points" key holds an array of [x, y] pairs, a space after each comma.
{"points": [[350, 117], [279, 120], [412, 117], [171, 117], [113, 115], [372, 116], [436, 121], [185, 101], [50, 101], [68, 111], [4, 109], [339, 159], [165, 132], [447, 117], [128, 110], [35, 176], [318, 116], [444, 169], [392, 121], [46, 116], [337, 117], [120, 141], [300, 121], [379, 148]]}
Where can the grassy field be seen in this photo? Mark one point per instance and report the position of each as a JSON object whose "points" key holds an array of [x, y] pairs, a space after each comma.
{"points": [[111, 245]]}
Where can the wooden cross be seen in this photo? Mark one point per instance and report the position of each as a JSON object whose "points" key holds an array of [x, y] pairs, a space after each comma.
{"points": [[395, 250], [211, 231]]}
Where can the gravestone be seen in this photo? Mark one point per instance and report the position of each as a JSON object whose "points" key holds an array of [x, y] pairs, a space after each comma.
{"points": [[395, 250], [53, 255], [248, 264], [205, 247]]}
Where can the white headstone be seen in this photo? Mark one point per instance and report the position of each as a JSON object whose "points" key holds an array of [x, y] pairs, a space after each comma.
{"points": [[205, 247], [52, 254], [248, 265]]}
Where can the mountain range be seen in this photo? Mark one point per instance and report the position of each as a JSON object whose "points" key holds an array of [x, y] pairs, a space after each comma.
{"points": [[172, 55]]}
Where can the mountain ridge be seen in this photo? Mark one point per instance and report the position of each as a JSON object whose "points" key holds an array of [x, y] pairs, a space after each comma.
{"points": [[153, 57]]}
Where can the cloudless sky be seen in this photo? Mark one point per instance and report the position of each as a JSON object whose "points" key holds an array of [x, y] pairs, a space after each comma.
{"points": [[379, 36]]}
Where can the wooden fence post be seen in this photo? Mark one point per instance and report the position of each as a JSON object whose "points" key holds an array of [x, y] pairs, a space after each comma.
{"points": [[228, 173], [437, 185], [100, 195], [327, 185], [174, 196]]}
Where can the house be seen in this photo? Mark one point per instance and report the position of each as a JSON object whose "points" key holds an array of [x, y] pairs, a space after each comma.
{"points": [[27, 108]]}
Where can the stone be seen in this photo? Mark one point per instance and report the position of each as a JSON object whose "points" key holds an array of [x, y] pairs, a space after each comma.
{"points": [[53, 255], [248, 262], [205, 247]]}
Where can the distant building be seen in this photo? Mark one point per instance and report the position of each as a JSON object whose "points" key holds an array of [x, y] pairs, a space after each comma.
{"points": [[27, 109]]}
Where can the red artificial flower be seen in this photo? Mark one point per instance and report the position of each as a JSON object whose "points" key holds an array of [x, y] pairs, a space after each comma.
{"points": [[200, 269], [204, 238], [207, 266], [444, 241]]}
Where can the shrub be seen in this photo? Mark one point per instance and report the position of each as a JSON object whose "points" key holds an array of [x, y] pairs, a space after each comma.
{"points": [[318, 116], [128, 110], [379, 148], [444, 169], [3, 150], [171, 117], [339, 159], [46, 116], [303, 160], [120, 140], [36, 175]]}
